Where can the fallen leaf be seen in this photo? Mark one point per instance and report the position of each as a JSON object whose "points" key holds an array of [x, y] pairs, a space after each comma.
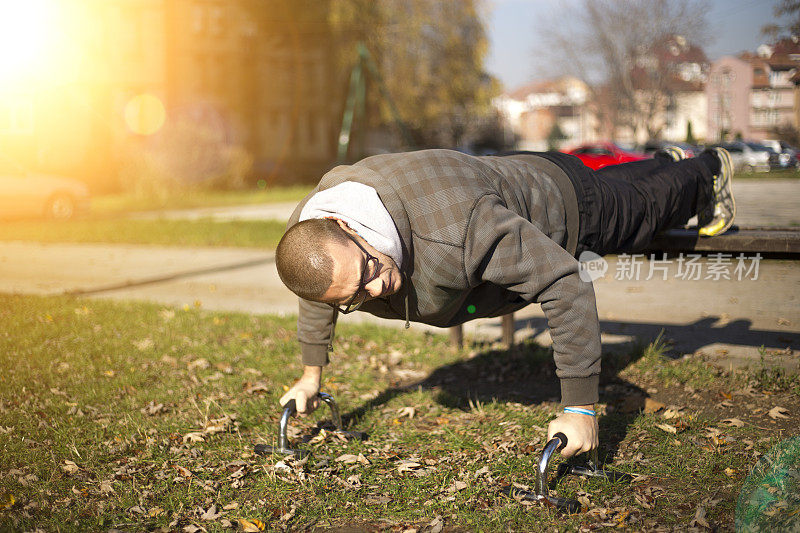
{"points": [[667, 427], [185, 472], [210, 514], [347, 458], [200, 364], [408, 466], [153, 408], [700, 518], [407, 411], [251, 526], [778, 412], [7, 502], [257, 387], [669, 414], [457, 486], [436, 526], [144, 344], [105, 487], [653, 406], [730, 472], [733, 422], [194, 436], [70, 467]]}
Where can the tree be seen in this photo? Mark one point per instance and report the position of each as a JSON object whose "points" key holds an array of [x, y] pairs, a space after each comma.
{"points": [[637, 54], [689, 134], [555, 137], [430, 55], [783, 8]]}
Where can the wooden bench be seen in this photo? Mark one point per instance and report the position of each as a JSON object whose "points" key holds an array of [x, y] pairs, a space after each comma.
{"points": [[736, 240]]}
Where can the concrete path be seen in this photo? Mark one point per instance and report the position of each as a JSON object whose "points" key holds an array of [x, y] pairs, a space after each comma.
{"points": [[763, 202], [727, 319]]}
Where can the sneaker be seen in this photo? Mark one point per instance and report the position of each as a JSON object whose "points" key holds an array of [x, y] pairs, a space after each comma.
{"points": [[717, 218], [675, 153]]}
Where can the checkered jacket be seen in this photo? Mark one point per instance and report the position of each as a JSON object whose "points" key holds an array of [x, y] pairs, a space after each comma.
{"points": [[481, 237]]}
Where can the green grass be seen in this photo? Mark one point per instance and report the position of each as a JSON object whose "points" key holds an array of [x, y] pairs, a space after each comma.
{"points": [[115, 204], [772, 175], [108, 222], [202, 232], [99, 402]]}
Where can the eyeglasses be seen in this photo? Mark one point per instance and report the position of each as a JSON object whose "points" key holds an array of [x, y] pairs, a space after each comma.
{"points": [[370, 272]]}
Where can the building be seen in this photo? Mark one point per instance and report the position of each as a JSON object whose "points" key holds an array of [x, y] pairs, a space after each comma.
{"points": [[551, 113], [751, 95]]}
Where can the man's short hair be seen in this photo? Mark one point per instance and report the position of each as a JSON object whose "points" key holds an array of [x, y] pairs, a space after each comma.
{"points": [[303, 260]]}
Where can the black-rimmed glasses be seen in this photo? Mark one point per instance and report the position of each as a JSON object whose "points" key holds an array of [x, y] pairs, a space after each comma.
{"points": [[370, 272]]}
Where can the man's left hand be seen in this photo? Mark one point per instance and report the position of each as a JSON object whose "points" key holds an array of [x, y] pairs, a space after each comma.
{"points": [[581, 431]]}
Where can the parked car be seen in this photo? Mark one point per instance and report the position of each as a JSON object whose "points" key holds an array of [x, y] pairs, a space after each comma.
{"points": [[787, 154], [745, 159], [652, 146], [40, 195], [772, 155], [602, 154]]}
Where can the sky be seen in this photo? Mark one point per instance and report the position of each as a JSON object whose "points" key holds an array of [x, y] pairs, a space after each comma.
{"points": [[513, 35]]}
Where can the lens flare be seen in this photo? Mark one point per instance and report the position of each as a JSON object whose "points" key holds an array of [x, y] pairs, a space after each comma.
{"points": [[26, 33], [145, 114]]}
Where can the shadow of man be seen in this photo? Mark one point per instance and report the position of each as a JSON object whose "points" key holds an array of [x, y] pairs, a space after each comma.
{"points": [[524, 374]]}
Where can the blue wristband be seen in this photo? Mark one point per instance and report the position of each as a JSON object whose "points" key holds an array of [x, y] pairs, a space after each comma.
{"points": [[579, 411]]}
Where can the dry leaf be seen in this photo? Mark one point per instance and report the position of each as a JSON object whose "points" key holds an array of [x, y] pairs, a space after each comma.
{"points": [[652, 406], [407, 411], [408, 466], [69, 467], [347, 458], [152, 408], [733, 422], [105, 487], [210, 514], [667, 427], [700, 518], [778, 412], [200, 364], [252, 526], [457, 486], [669, 414], [194, 436], [257, 387], [436, 526]]}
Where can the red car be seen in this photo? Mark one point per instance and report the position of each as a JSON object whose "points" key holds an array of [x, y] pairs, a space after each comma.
{"points": [[599, 155]]}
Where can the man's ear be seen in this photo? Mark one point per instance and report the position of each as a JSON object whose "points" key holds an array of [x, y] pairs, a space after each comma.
{"points": [[342, 224]]}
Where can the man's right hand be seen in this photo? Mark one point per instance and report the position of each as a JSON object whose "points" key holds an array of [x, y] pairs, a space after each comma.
{"points": [[305, 391]]}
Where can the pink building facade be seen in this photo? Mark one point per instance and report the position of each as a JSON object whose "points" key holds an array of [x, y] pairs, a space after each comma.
{"points": [[728, 90]]}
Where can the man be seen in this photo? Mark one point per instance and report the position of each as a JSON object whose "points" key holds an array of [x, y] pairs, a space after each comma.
{"points": [[441, 237]]}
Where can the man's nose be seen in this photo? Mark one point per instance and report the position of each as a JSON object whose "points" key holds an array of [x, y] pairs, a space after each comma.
{"points": [[374, 287]]}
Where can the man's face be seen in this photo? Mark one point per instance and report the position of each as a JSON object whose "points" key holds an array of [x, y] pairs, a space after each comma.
{"points": [[352, 268]]}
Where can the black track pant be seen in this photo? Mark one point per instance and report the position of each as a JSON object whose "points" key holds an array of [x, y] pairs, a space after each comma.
{"points": [[622, 207]]}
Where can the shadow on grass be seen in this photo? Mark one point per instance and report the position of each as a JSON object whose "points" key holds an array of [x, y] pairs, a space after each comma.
{"points": [[523, 374]]}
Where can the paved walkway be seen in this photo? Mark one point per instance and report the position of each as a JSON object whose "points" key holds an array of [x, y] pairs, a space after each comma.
{"points": [[727, 319], [762, 202]]}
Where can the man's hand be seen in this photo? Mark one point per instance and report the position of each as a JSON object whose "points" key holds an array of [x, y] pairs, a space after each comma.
{"points": [[305, 391], [581, 431]]}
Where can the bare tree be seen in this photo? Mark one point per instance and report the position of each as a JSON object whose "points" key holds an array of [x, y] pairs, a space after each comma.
{"points": [[630, 51], [784, 8]]}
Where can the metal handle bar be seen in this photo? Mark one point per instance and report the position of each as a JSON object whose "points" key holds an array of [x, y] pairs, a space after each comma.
{"points": [[541, 492], [289, 409]]}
